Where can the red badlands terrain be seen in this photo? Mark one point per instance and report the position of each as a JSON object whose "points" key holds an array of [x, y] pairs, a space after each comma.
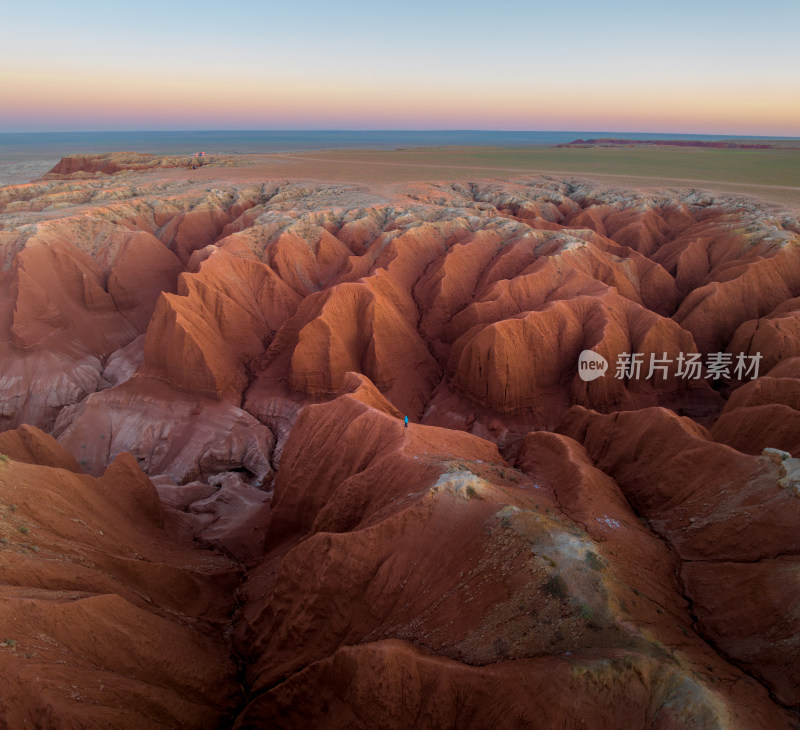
{"points": [[211, 514]]}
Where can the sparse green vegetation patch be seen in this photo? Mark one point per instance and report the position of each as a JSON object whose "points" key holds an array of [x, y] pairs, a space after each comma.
{"points": [[556, 587]]}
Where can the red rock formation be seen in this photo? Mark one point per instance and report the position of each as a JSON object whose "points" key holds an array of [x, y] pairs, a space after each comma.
{"points": [[776, 337], [754, 428], [743, 607], [402, 534], [737, 292], [107, 618], [81, 165], [141, 272], [732, 518], [616, 141], [394, 684], [106, 163], [766, 412], [81, 288], [395, 576], [169, 432], [202, 338], [353, 327], [29, 445]]}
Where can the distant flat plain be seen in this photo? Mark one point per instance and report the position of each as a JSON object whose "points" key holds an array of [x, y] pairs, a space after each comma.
{"points": [[779, 167], [771, 175]]}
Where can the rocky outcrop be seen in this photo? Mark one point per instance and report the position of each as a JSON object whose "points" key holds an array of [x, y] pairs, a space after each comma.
{"points": [[81, 166]]}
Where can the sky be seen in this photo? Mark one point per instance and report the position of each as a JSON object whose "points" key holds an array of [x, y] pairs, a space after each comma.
{"points": [[700, 67]]}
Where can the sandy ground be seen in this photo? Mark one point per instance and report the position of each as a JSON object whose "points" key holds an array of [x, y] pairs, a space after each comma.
{"points": [[384, 171], [386, 174], [13, 173]]}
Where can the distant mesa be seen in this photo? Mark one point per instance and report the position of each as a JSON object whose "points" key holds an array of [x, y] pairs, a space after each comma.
{"points": [[617, 142], [91, 165]]}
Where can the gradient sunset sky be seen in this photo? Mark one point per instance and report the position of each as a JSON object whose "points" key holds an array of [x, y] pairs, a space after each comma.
{"points": [[686, 67]]}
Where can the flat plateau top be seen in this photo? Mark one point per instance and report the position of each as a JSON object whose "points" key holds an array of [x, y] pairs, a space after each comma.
{"points": [[771, 175]]}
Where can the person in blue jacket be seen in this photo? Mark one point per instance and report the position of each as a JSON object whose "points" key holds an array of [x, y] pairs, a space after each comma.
{"points": [[406, 421]]}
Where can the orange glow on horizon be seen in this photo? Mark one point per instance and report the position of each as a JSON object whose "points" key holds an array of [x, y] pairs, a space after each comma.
{"points": [[253, 102]]}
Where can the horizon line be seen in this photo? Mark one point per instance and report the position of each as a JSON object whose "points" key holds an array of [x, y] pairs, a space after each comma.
{"points": [[403, 130]]}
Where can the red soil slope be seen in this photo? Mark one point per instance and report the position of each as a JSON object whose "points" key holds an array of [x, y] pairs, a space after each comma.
{"points": [[109, 617]]}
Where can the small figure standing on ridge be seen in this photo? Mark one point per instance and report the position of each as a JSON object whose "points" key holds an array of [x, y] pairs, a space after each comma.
{"points": [[405, 421]]}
